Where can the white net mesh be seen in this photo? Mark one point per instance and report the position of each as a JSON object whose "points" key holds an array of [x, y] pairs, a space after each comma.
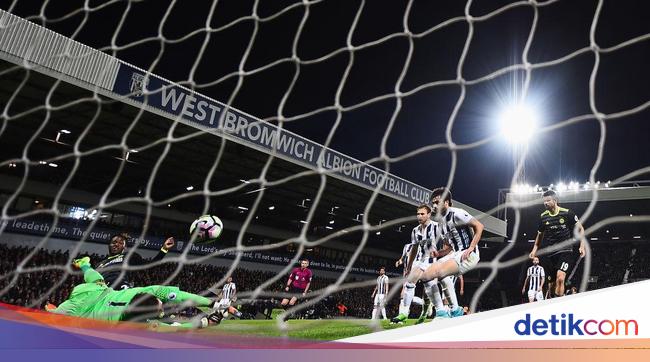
{"points": [[267, 58]]}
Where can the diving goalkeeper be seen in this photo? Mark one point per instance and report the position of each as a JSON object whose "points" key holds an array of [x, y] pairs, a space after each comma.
{"points": [[94, 299]]}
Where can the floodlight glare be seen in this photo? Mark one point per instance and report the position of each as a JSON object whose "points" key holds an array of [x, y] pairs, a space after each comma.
{"points": [[518, 124]]}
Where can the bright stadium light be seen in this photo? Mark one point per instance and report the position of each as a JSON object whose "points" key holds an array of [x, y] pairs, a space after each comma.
{"points": [[518, 124]]}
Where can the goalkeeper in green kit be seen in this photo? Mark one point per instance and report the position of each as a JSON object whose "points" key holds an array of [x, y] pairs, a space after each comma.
{"points": [[93, 299]]}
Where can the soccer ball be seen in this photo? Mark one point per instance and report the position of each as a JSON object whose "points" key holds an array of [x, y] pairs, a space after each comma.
{"points": [[208, 228]]}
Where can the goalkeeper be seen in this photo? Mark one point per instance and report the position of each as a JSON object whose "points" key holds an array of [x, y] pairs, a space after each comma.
{"points": [[94, 299]]}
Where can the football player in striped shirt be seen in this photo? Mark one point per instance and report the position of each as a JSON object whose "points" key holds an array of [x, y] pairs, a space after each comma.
{"points": [[535, 277], [407, 295], [227, 296], [423, 236], [462, 232], [379, 294]]}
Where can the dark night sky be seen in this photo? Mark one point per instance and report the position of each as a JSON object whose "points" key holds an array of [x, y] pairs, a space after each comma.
{"points": [[559, 92]]}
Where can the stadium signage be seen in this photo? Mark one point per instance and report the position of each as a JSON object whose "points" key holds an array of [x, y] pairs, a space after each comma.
{"points": [[74, 231], [177, 102]]}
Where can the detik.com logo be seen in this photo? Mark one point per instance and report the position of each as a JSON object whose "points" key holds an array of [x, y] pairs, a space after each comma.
{"points": [[569, 325]]}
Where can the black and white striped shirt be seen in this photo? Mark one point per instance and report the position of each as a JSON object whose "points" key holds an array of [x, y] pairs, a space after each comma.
{"points": [[228, 291], [382, 284], [535, 277], [455, 228], [406, 252], [425, 237]]}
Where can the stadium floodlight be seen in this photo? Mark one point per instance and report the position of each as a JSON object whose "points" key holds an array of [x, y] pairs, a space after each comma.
{"points": [[518, 124], [244, 181], [636, 237], [271, 207], [242, 208], [561, 187], [303, 221], [523, 189], [52, 164], [65, 131], [189, 188], [329, 227], [331, 222]]}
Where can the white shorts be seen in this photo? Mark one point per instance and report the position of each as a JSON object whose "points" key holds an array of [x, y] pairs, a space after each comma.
{"points": [[379, 300], [468, 264], [224, 303], [535, 295]]}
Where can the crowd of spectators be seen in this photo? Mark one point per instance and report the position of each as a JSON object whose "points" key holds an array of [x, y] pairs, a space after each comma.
{"points": [[51, 282]]}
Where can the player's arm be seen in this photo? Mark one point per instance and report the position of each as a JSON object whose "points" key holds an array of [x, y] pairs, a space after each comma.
{"points": [[373, 292], [462, 284], [548, 292], [446, 249], [579, 231], [234, 294], [176, 296], [290, 280], [386, 283], [411, 259], [523, 287], [478, 227], [308, 283], [399, 261], [167, 245], [543, 280], [538, 241]]}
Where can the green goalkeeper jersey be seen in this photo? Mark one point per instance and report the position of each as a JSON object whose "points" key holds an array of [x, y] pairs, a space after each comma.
{"points": [[93, 299]]}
